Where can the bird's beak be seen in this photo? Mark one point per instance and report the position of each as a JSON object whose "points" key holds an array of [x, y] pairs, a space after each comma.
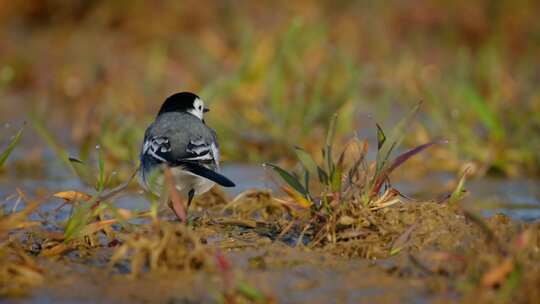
{"points": [[206, 110]]}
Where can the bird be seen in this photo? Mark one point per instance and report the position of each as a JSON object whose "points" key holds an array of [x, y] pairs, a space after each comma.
{"points": [[180, 139]]}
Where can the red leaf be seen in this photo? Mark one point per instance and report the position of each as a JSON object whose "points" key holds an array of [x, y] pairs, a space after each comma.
{"points": [[398, 161]]}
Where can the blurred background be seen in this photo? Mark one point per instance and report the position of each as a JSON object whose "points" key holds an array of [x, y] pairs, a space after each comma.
{"points": [[81, 73]]}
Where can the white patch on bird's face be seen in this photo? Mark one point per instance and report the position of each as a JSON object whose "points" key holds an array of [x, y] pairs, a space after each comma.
{"points": [[198, 108]]}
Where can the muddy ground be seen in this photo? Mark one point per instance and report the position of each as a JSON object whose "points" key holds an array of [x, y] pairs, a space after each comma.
{"points": [[228, 253]]}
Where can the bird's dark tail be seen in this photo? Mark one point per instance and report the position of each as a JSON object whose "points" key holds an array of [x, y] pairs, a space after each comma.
{"points": [[207, 173]]}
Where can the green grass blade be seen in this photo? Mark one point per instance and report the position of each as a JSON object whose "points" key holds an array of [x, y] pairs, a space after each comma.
{"points": [[338, 173], [323, 176], [101, 174], [328, 146], [458, 193], [4, 156], [381, 137], [307, 161], [250, 292], [289, 179], [395, 139], [485, 113], [306, 182], [84, 172], [79, 219], [336, 179], [51, 141]]}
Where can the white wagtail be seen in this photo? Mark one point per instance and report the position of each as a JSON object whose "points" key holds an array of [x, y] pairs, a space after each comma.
{"points": [[180, 139]]}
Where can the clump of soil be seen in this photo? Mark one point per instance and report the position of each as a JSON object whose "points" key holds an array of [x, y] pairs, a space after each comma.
{"points": [[492, 259], [415, 226], [170, 246]]}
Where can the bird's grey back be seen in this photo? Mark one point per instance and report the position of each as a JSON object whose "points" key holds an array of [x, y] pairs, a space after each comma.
{"points": [[181, 129]]}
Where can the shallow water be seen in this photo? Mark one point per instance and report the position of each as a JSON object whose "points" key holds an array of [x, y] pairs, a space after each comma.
{"points": [[520, 198]]}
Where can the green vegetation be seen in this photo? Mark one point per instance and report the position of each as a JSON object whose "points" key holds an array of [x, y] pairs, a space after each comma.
{"points": [[274, 83], [360, 179], [10, 147]]}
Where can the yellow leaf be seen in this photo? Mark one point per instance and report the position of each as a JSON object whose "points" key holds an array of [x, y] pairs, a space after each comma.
{"points": [[297, 197], [497, 275], [71, 196], [56, 250]]}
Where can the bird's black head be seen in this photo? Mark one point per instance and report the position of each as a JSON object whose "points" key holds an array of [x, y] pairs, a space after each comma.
{"points": [[179, 102]]}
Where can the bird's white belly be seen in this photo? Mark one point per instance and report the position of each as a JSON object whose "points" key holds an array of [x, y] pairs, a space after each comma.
{"points": [[185, 181]]}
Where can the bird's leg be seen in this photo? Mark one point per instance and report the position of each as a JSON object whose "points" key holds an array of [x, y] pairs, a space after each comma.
{"points": [[177, 205], [178, 209], [191, 194]]}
